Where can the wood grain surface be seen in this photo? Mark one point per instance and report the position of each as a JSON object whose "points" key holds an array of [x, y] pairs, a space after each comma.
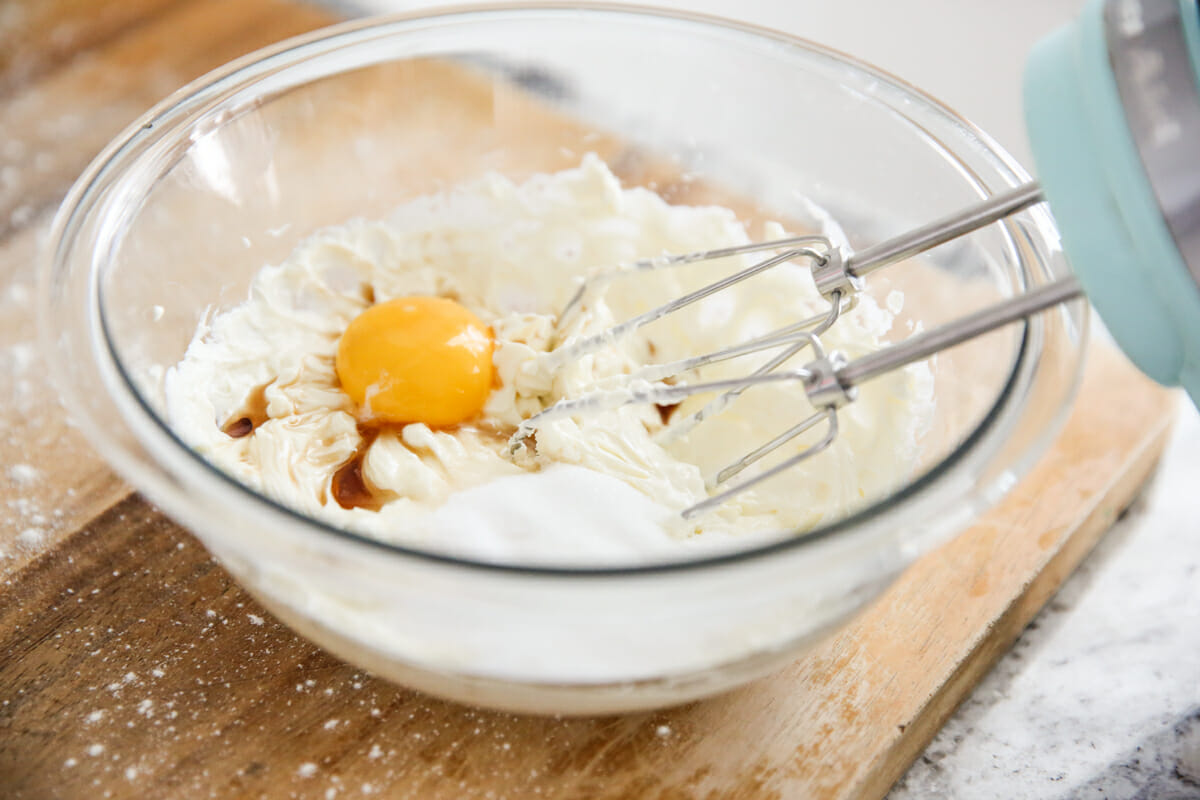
{"points": [[132, 666]]}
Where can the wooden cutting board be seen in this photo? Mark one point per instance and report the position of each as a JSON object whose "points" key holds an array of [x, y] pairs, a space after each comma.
{"points": [[132, 666]]}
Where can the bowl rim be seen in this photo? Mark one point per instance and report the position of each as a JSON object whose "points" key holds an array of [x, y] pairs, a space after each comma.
{"points": [[254, 66]]}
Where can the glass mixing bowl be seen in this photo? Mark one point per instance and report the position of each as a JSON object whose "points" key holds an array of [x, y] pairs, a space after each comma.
{"points": [[227, 175]]}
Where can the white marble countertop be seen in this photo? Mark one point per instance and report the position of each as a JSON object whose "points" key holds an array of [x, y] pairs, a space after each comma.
{"points": [[1100, 697]]}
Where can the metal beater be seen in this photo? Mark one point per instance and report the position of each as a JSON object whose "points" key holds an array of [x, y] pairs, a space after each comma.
{"points": [[828, 379]]}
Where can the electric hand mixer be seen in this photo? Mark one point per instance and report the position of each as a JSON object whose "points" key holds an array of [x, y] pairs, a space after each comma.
{"points": [[1113, 114]]}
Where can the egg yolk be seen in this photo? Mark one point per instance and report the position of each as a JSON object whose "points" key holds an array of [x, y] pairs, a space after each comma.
{"points": [[417, 359]]}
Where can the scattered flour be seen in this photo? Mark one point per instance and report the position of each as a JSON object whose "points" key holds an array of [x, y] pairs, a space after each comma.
{"points": [[19, 294], [31, 536], [23, 474]]}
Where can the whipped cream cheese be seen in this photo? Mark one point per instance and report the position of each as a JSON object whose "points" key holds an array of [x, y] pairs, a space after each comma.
{"points": [[597, 489]]}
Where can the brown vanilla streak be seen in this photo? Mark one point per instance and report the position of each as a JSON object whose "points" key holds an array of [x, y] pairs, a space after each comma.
{"points": [[251, 415], [349, 486]]}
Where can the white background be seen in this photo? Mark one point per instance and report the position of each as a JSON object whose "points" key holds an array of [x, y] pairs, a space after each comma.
{"points": [[967, 53]]}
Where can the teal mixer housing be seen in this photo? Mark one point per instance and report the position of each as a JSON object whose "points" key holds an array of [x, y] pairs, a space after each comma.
{"points": [[1113, 114]]}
